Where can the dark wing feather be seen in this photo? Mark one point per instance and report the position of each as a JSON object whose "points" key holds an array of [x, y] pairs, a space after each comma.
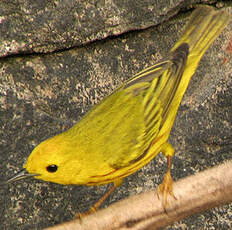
{"points": [[131, 117]]}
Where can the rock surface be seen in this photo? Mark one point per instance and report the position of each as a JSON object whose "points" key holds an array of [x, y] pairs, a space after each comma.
{"points": [[44, 94], [47, 26]]}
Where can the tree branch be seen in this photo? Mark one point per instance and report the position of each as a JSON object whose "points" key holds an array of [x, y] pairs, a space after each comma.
{"points": [[194, 194]]}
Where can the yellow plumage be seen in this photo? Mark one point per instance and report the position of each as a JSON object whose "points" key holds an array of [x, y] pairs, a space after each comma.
{"points": [[132, 125]]}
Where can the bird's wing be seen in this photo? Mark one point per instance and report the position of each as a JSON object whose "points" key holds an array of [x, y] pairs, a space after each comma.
{"points": [[123, 126]]}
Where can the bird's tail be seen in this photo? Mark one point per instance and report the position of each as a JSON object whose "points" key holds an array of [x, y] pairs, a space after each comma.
{"points": [[203, 27]]}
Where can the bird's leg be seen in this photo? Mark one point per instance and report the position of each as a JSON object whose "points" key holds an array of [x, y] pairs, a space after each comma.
{"points": [[166, 187], [95, 207]]}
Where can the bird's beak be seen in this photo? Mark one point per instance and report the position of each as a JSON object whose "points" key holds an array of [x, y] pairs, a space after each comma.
{"points": [[20, 175]]}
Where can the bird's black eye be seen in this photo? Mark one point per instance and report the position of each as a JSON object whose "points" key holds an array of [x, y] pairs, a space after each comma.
{"points": [[52, 168]]}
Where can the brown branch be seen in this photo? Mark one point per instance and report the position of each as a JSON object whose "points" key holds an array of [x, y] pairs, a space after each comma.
{"points": [[205, 190]]}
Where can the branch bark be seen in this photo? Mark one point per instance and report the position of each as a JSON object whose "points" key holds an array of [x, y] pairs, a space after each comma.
{"points": [[194, 194]]}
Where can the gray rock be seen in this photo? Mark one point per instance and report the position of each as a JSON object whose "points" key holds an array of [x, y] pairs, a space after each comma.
{"points": [[47, 26]]}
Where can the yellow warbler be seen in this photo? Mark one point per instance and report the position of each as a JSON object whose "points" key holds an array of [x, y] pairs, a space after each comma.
{"points": [[131, 126]]}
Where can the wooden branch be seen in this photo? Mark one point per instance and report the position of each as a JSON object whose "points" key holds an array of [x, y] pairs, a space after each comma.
{"points": [[205, 190]]}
